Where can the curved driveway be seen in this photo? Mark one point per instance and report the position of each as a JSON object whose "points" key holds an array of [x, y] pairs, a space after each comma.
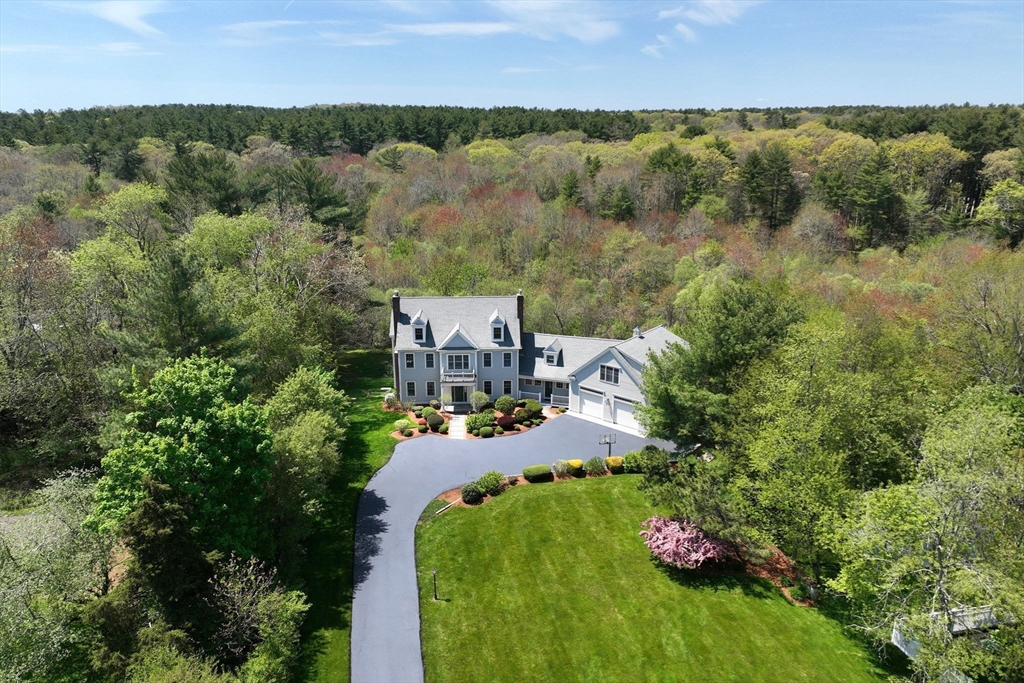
{"points": [[385, 606]]}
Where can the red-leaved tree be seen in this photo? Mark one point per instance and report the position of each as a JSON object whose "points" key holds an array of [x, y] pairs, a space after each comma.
{"points": [[681, 544]]}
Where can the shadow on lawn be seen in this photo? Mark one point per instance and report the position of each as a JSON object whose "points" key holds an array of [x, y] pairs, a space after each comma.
{"points": [[709, 580], [329, 563]]}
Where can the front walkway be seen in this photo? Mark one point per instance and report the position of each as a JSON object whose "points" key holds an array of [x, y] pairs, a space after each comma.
{"points": [[457, 427], [385, 605]]}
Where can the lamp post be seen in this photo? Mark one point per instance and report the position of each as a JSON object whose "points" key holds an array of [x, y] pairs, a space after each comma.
{"points": [[434, 572], [607, 439]]}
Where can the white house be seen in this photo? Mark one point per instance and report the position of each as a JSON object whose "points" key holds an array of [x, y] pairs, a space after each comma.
{"points": [[458, 345]]}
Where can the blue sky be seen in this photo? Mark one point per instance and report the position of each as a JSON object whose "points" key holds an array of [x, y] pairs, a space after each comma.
{"points": [[612, 55]]}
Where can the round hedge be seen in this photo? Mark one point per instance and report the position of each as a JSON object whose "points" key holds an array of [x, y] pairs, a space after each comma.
{"points": [[471, 494], [486, 432]]}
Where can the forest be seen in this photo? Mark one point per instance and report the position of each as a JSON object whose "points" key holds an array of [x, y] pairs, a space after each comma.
{"points": [[179, 285]]}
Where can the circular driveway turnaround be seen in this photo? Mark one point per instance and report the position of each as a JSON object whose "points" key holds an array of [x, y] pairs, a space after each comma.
{"points": [[385, 604]]}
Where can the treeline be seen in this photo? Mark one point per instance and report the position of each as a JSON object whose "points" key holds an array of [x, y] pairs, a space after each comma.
{"points": [[317, 131]]}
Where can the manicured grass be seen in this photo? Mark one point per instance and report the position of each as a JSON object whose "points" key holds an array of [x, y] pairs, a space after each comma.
{"points": [[328, 575], [550, 582]]}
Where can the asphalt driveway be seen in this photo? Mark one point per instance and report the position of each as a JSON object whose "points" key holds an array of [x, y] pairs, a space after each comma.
{"points": [[385, 607]]}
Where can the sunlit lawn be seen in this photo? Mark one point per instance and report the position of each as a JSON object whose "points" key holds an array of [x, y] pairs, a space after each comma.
{"points": [[550, 582], [328, 575]]}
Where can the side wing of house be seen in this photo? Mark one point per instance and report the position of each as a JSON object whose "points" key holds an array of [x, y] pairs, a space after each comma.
{"points": [[607, 388]]}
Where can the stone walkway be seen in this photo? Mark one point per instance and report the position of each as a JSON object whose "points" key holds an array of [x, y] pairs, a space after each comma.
{"points": [[457, 427], [385, 605]]}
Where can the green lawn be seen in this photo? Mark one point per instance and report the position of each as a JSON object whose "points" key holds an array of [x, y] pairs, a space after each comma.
{"points": [[550, 582], [328, 575]]}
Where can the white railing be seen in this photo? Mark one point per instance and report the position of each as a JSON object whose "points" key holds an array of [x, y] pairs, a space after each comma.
{"points": [[557, 400], [530, 394], [458, 376]]}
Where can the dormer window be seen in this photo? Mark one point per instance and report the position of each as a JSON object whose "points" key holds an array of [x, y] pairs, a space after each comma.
{"points": [[419, 326], [417, 333], [549, 359], [497, 333], [497, 326]]}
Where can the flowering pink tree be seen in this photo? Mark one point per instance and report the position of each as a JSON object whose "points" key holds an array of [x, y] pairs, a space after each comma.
{"points": [[681, 544]]}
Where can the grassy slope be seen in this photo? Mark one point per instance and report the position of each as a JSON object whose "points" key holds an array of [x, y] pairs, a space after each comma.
{"points": [[331, 550], [552, 582]]}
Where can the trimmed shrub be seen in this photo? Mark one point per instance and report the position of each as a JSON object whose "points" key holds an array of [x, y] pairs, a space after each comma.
{"points": [[527, 423], [575, 467], [443, 429], [421, 421], [428, 411], [785, 581], [471, 494], [520, 403], [418, 414], [498, 431], [535, 473], [614, 464], [486, 432], [402, 425], [522, 415], [492, 483], [648, 458], [511, 481], [505, 404], [434, 421], [484, 419], [534, 407], [435, 404], [563, 410], [681, 543], [561, 468], [517, 428], [407, 433], [476, 432], [422, 429], [594, 467], [506, 421]]}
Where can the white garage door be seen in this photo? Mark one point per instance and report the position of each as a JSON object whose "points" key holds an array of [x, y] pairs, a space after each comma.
{"points": [[591, 403], [624, 414]]}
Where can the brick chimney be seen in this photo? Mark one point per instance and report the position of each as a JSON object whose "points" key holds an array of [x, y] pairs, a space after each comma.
{"points": [[519, 314]]}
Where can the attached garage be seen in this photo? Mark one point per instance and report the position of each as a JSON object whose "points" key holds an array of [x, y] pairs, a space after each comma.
{"points": [[624, 414], [592, 403]]}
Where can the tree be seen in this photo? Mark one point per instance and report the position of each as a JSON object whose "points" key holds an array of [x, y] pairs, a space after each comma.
{"points": [[92, 154], [197, 183], [478, 400], [769, 186], [729, 325], [127, 162], [919, 552], [214, 454], [571, 193], [314, 189], [133, 213], [390, 159], [877, 207], [1002, 212]]}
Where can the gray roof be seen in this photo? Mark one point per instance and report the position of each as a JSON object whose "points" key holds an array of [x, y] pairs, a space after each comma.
{"points": [[471, 313], [654, 340], [575, 352]]}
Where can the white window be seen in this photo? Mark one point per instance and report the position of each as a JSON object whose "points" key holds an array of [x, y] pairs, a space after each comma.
{"points": [[487, 359], [410, 389], [550, 358], [496, 333], [506, 359], [559, 385], [430, 360], [487, 387], [528, 382], [609, 374], [506, 387], [417, 333], [410, 360], [458, 361], [430, 389]]}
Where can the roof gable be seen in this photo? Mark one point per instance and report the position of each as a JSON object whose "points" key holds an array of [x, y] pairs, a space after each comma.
{"points": [[458, 338]]}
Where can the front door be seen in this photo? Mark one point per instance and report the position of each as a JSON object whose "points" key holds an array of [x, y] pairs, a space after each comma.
{"points": [[458, 394], [548, 386]]}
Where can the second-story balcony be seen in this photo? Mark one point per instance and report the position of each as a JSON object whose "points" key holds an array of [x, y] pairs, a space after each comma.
{"points": [[458, 377]]}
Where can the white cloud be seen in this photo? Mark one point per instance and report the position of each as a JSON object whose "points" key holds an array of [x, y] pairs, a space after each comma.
{"points": [[655, 50], [689, 35], [547, 19], [127, 14], [455, 28], [711, 12]]}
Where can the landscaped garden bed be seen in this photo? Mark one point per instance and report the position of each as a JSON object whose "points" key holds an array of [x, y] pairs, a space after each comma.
{"points": [[504, 417], [554, 583]]}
